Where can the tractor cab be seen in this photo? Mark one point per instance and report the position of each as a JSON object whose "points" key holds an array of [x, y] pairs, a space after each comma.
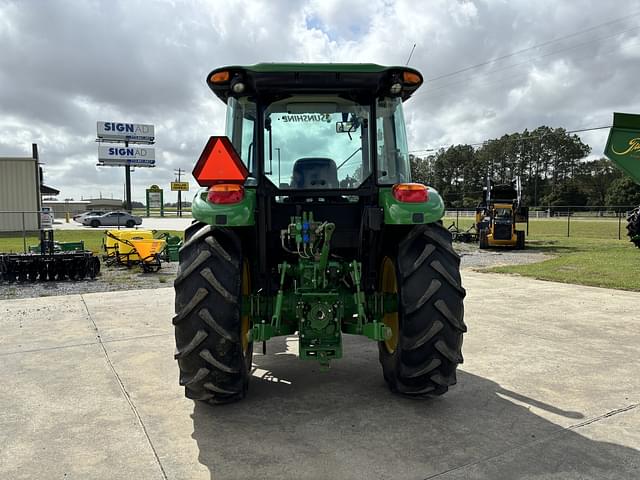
{"points": [[308, 222]]}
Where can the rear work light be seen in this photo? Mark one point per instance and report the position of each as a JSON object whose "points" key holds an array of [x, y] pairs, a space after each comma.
{"points": [[411, 78], [219, 77], [410, 192], [225, 193]]}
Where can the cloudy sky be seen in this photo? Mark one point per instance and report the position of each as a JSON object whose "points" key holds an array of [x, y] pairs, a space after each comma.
{"points": [[66, 64]]}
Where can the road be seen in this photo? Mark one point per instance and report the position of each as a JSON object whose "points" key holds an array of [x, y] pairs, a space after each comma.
{"points": [[151, 223], [549, 390]]}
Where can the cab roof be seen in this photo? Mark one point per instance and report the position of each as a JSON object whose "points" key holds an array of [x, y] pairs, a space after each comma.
{"points": [[355, 79]]}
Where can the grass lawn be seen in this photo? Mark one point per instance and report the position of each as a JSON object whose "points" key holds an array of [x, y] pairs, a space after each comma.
{"points": [[592, 255], [584, 261], [92, 239]]}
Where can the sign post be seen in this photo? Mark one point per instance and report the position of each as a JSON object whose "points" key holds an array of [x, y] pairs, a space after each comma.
{"points": [[155, 199], [179, 187], [112, 156]]}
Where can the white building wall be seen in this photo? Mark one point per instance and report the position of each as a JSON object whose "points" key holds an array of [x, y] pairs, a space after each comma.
{"points": [[19, 192]]}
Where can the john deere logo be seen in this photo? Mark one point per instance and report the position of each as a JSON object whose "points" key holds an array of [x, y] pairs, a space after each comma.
{"points": [[634, 146]]}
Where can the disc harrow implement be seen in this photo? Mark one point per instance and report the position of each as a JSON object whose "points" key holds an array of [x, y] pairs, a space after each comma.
{"points": [[49, 261]]}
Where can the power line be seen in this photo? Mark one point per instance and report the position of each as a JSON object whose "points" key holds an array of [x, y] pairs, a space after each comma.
{"points": [[434, 149], [466, 80], [518, 52], [428, 90]]}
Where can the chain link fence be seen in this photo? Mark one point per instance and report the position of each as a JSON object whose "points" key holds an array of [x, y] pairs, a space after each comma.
{"points": [[579, 221], [21, 229]]}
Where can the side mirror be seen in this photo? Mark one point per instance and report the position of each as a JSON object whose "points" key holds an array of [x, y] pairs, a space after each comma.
{"points": [[346, 127]]}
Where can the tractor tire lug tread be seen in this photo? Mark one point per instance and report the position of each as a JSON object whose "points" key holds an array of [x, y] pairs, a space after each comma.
{"points": [[200, 295], [213, 367], [429, 292], [208, 275], [192, 345], [633, 227], [200, 259], [206, 316], [430, 310]]}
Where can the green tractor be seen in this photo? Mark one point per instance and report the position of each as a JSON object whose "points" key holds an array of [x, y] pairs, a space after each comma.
{"points": [[623, 148], [308, 223]]}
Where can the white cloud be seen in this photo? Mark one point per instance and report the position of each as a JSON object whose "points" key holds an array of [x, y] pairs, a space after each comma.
{"points": [[65, 65]]}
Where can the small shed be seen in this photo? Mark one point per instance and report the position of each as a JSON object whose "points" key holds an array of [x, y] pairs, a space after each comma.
{"points": [[20, 193]]}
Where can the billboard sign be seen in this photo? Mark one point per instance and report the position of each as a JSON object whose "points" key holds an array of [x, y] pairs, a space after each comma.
{"points": [[179, 186], [135, 156], [126, 131]]}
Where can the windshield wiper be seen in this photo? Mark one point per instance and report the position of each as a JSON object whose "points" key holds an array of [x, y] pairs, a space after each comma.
{"points": [[348, 158]]}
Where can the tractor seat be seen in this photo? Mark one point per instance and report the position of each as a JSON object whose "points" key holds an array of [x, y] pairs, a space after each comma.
{"points": [[315, 172]]}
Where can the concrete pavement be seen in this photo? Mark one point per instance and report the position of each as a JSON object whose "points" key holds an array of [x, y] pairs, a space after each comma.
{"points": [[549, 389]]}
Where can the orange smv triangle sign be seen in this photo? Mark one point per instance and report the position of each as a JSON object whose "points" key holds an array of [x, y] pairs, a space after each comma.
{"points": [[219, 163]]}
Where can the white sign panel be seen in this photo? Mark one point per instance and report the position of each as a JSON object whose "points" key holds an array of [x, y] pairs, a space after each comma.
{"points": [[137, 156], [126, 131], [155, 199]]}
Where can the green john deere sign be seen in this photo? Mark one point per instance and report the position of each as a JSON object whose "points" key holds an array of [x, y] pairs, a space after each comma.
{"points": [[623, 145], [155, 199]]}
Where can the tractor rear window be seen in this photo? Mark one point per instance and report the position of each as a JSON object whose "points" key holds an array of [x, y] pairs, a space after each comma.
{"points": [[241, 115], [316, 144], [391, 141]]}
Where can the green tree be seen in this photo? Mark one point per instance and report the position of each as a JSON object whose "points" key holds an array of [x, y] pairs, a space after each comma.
{"points": [[595, 178], [623, 191]]}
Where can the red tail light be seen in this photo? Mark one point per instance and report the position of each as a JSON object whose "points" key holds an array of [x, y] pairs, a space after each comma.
{"points": [[410, 192], [224, 193]]}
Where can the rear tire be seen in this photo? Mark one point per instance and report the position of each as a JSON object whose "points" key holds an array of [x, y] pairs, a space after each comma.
{"points": [[130, 224], [214, 360], [430, 314], [633, 227], [95, 223]]}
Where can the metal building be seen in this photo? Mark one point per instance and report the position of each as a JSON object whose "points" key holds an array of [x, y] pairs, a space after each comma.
{"points": [[20, 193]]}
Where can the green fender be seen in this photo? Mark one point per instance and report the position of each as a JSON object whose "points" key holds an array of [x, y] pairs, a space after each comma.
{"points": [[400, 213], [240, 214]]}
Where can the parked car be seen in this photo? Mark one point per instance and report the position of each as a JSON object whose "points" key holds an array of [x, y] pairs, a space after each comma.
{"points": [[93, 213], [112, 219]]}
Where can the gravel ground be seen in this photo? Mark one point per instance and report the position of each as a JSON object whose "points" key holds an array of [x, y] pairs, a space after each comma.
{"points": [[110, 279], [476, 259], [122, 278]]}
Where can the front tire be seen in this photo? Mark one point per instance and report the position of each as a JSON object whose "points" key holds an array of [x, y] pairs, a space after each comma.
{"points": [[421, 357], [633, 227], [213, 353]]}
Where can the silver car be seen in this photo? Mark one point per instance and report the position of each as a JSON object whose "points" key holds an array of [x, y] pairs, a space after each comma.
{"points": [[94, 213], [112, 219]]}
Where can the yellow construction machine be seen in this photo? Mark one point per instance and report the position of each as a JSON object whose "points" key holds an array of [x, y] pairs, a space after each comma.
{"points": [[498, 214]]}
